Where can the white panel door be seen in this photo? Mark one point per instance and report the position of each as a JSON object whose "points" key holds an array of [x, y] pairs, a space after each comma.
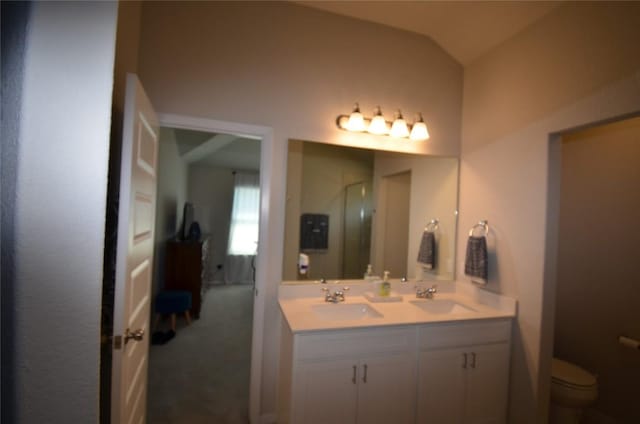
{"points": [[325, 392], [387, 389], [487, 384], [441, 386], [136, 218]]}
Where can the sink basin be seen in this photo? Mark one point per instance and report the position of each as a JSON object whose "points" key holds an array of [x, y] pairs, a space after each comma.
{"points": [[441, 306], [345, 311]]}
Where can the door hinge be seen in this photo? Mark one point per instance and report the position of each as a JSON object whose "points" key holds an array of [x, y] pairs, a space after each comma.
{"points": [[104, 339], [117, 342]]}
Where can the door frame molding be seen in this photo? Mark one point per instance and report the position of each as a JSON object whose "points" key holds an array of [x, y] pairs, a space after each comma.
{"points": [[267, 185]]}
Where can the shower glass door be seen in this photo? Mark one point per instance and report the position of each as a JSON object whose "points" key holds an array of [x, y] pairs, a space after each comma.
{"points": [[356, 229]]}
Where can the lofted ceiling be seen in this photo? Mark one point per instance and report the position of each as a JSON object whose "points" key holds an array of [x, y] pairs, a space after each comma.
{"points": [[218, 150], [464, 29]]}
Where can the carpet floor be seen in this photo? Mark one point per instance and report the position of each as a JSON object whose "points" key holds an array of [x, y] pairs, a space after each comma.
{"points": [[202, 374]]}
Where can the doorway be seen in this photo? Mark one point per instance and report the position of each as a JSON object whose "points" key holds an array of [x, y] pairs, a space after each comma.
{"points": [[201, 372], [596, 299], [262, 265], [397, 195]]}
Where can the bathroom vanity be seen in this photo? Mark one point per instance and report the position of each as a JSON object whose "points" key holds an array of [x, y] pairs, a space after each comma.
{"points": [[442, 360], [362, 359]]}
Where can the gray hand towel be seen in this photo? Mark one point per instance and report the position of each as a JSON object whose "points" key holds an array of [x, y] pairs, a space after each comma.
{"points": [[427, 251], [476, 264]]}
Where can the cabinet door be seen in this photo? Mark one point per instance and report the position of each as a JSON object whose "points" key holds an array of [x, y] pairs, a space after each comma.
{"points": [[487, 384], [325, 392], [387, 389], [441, 386]]}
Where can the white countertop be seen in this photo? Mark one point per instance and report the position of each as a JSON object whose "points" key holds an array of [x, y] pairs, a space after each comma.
{"points": [[297, 303]]}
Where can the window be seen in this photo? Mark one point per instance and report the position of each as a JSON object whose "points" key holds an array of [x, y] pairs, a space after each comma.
{"points": [[245, 215]]}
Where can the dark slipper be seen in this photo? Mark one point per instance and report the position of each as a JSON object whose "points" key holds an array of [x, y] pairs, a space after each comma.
{"points": [[157, 338]]}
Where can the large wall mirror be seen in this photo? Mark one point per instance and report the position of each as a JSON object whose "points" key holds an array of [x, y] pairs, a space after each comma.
{"points": [[349, 207]]}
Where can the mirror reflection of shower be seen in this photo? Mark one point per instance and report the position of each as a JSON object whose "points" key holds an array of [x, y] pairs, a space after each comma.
{"points": [[358, 201]]}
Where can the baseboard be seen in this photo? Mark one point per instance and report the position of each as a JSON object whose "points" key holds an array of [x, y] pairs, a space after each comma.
{"points": [[268, 419]]}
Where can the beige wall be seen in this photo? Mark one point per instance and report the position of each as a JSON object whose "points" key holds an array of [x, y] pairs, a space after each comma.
{"points": [[579, 64], [597, 292], [279, 65], [211, 192], [293, 69], [127, 44]]}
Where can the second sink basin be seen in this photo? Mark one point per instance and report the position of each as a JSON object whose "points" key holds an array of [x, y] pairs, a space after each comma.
{"points": [[441, 306], [345, 311]]}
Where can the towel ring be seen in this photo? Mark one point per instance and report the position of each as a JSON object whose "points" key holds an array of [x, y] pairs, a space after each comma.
{"points": [[432, 225], [484, 224]]}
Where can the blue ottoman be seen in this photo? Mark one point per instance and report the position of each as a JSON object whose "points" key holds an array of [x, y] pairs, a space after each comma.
{"points": [[172, 303]]}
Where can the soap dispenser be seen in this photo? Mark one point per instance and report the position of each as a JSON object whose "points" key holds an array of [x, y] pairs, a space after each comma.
{"points": [[368, 275], [385, 287]]}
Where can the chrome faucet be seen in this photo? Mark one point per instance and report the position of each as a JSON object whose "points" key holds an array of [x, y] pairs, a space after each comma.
{"points": [[426, 293], [335, 297]]}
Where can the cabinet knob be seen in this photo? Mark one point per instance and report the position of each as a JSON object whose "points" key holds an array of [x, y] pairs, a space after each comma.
{"points": [[355, 370], [364, 378], [473, 359]]}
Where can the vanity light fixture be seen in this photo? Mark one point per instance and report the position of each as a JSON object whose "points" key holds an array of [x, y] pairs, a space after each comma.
{"points": [[399, 127], [419, 130], [356, 120], [378, 125]]}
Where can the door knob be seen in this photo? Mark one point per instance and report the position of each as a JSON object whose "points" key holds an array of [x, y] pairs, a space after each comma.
{"points": [[137, 335]]}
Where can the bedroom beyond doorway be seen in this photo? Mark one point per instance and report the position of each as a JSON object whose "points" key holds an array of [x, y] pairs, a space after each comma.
{"points": [[207, 225]]}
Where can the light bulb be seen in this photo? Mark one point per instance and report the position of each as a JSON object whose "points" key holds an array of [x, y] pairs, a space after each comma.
{"points": [[419, 130], [399, 128], [356, 120], [378, 124]]}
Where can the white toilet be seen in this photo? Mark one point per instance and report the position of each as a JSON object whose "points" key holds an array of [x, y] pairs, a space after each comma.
{"points": [[572, 390]]}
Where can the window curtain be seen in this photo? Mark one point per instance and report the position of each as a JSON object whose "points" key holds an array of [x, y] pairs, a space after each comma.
{"points": [[243, 231]]}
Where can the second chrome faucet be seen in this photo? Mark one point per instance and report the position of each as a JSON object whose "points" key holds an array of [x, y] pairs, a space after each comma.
{"points": [[427, 292]]}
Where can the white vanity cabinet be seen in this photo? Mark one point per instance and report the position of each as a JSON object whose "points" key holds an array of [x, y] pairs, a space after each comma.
{"points": [[349, 376], [463, 372]]}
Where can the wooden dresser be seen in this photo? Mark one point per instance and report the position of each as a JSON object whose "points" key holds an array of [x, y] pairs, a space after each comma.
{"points": [[186, 268]]}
